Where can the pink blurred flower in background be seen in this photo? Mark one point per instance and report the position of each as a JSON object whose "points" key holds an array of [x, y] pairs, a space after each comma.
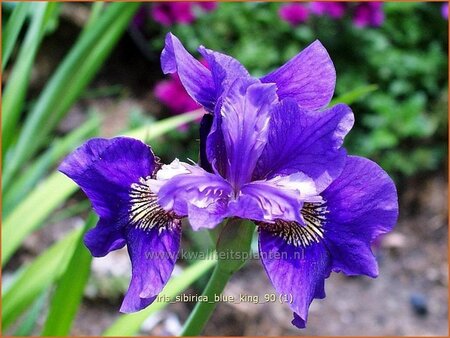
{"points": [[364, 13], [207, 6], [334, 10], [444, 10], [172, 94], [169, 13], [294, 13], [368, 14]]}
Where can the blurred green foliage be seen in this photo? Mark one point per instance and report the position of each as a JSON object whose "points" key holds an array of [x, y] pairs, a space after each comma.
{"points": [[403, 124]]}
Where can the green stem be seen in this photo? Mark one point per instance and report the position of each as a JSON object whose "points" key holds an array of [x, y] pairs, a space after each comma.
{"points": [[233, 250], [204, 309]]}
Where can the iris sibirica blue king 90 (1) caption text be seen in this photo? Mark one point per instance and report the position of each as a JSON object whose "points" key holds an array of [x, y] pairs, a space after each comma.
{"points": [[270, 152]]}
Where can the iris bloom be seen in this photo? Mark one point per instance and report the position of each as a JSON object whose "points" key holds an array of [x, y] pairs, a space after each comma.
{"points": [[270, 153]]}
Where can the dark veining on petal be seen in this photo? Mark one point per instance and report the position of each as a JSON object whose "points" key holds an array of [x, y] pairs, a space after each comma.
{"points": [[296, 234], [144, 212]]}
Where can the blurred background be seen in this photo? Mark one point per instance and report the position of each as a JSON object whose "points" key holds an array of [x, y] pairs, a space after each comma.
{"points": [[77, 70]]}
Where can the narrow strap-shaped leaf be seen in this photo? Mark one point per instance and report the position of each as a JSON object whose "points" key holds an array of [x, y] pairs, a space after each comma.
{"points": [[69, 289], [27, 324], [29, 214], [68, 82], [96, 9], [35, 278], [129, 325], [16, 87], [12, 30], [154, 130]]}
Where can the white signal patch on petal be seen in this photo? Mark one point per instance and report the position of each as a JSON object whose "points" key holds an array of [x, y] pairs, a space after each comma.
{"points": [[173, 169], [299, 182]]}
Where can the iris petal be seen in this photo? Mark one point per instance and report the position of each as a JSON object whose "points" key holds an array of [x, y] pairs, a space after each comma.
{"points": [[245, 116], [297, 272], [305, 141], [153, 254], [195, 77], [224, 68], [309, 77], [114, 175], [107, 236], [278, 198], [362, 204], [191, 191], [104, 170], [216, 152]]}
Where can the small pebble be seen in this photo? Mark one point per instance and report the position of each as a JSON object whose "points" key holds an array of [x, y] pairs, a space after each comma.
{"points": [[419, 304]]}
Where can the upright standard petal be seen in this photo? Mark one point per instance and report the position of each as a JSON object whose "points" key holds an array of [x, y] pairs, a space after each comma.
{"points": [[194, 76], [245, 117], [309, 77], [296, 269], [224, 69], [191, 191], [362, 204], [305, 141]]}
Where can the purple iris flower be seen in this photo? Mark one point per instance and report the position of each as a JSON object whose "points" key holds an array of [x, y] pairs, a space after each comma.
{"points": [[271, 153], [114, 174]]}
